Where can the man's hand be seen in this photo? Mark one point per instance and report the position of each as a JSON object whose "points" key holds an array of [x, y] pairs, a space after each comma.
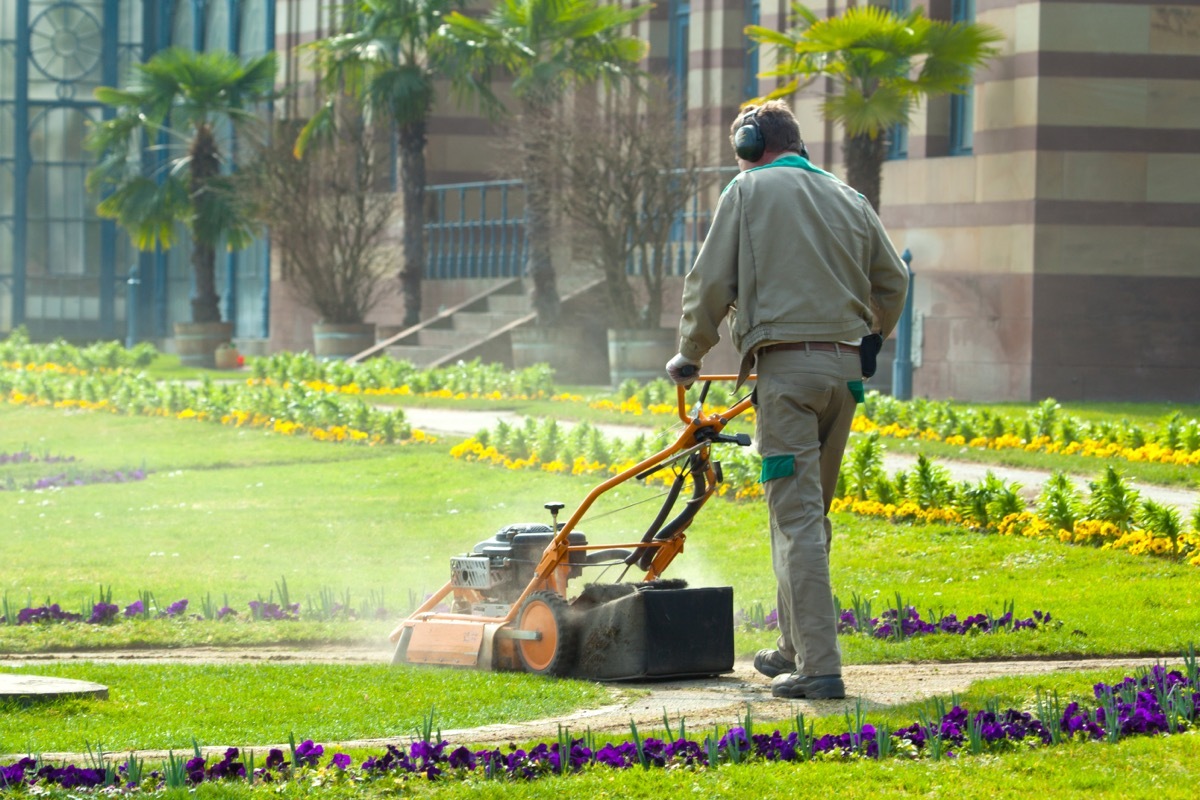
{"points": [[682, 370]]}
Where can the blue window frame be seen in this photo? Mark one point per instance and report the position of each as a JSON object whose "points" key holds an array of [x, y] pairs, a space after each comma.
{"points": [[898, 135], [750, 74], [962, 106], [681, 21], [63, 269]]}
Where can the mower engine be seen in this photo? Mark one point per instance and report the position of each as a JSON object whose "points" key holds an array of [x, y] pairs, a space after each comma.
{"points": [[498, 569]]}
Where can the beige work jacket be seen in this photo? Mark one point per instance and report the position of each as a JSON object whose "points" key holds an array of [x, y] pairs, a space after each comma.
{"points": [[793, 255]]}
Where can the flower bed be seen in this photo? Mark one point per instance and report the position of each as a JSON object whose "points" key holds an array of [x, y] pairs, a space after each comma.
{"points": [[1114, 517], [328, 605], [292, 411], [1044, 429], [1155, 702], [858, 619], [71, 475]]}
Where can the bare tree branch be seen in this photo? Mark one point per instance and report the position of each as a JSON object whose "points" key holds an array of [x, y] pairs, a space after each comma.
{"points": [[328, 213]]}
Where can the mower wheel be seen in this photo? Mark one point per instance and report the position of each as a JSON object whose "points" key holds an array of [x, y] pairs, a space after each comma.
{"points": [[554, 652]]}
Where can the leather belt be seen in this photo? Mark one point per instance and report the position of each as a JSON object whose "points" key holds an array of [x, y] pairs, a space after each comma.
{"points": [[825, 347]]}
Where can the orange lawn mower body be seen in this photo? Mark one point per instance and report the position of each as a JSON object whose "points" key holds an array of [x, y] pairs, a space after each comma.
{"points": [[508, 598]]}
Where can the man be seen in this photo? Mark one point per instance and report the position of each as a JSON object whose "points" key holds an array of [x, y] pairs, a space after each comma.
{"points": [[800, 263]]}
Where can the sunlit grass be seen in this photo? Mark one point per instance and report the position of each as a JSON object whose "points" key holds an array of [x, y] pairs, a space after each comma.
{"points": [[231, 514], [161, 706]]}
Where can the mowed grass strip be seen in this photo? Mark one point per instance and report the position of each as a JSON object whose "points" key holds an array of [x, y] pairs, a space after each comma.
{"points": [[249, 510], [166, 706]]}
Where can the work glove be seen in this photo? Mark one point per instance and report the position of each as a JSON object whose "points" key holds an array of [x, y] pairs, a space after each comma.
{"points": [[682, 370]]}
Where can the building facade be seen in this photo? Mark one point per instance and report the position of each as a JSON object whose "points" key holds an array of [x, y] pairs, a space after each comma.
{"points": [[64, 271], [1052, 213]]}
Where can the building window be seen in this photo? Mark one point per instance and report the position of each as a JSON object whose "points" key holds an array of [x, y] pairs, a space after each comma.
{"points": [[681, 13], [898, 142], [750, 78], [898, 135], [962, 106]]}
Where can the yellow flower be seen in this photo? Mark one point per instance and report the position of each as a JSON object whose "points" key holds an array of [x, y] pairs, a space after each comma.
{"points": [[862, 424]]}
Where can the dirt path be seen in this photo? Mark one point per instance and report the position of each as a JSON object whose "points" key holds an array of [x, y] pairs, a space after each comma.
{"points": [[701, 702]]}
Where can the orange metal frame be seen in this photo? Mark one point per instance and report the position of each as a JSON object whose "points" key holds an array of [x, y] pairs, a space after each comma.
{"points": [[551, 572]]}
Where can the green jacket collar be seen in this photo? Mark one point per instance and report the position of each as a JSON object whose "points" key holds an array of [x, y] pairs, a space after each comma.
{"points": [[797, 161]]}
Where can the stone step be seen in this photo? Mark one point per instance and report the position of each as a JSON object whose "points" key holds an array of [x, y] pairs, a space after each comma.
{"points": [[26, 688], [419, 355], [446, 339], [509, 303], [483, 321]]}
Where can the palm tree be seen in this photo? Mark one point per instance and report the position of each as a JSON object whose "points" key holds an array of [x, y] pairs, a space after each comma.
{"points": [[383, 60], [884, 64], [183, 97], [545, 47]]}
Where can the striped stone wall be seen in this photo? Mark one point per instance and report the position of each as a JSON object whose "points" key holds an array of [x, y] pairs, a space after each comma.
{"points": [[1061, 255], [1056, 259]]}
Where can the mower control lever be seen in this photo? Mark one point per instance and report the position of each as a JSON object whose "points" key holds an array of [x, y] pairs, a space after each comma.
{"points": [[741, 439], [708, 435]]}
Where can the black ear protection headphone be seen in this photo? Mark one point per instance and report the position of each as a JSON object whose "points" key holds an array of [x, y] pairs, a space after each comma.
{"points": [[748, 141]]}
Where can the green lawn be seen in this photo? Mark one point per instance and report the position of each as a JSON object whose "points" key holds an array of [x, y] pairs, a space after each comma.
{"points": [[233, 514], [229, 513], [161, 706]]}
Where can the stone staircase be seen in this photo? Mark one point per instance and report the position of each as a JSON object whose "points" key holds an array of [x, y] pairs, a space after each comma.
{"points": [[475, 328], [482, 326]]}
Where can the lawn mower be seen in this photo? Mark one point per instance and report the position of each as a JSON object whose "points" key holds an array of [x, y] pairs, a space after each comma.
{"points": [[506, 604]]}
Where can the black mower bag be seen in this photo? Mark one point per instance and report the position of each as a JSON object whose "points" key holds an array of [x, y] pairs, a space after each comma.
{"points": [[656, 632]]}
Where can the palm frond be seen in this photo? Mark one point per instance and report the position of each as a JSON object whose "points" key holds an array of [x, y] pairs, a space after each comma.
{"points": [[148, 210], [319, 127]]}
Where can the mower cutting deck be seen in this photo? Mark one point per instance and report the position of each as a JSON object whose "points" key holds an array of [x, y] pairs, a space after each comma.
{"points": [[508, 597]]}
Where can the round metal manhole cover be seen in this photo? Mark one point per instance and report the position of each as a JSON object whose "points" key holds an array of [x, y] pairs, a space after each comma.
{"points": [[27, 688]]}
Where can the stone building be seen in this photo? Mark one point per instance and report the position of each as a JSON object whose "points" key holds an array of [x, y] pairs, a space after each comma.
{"points": [[1052, 213]]}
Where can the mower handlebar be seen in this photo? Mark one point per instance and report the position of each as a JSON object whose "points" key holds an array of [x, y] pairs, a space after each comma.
{"points": [[708, 379]]}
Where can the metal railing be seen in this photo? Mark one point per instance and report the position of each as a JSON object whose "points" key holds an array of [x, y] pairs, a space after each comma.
{"points": [[477, 230]]}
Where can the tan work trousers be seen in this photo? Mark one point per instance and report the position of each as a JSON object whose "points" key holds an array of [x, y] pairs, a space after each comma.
{"points": [[804, 409]]}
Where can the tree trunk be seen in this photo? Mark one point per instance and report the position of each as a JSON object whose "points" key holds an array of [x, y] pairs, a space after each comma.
{"points": [[864, 165], [412, 179], [205, 165], [621, 307], [540, 265], [654, 261], [538, 210]]}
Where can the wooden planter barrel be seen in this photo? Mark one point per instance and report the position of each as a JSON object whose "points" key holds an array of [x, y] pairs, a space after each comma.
{"points": [[576, 354], [337, 341], [197, 342], [640, 354]]}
